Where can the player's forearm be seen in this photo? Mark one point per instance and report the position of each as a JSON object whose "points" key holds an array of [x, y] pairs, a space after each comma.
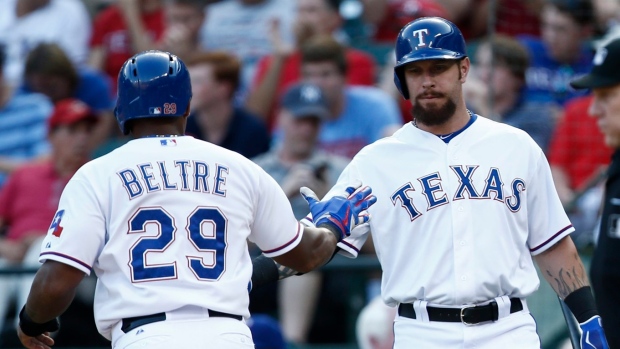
{"points": [[316, 248], [562, 268], [52, 291], [266, 270]]}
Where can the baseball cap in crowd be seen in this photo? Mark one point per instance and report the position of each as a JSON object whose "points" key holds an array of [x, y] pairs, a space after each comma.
{"points": [[266, 332], [605, 68], [68, 111], [305, 100]]}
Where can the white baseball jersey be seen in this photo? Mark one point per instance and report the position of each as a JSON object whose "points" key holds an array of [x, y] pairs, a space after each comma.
{"points": [[163, 223], [457, 223]]}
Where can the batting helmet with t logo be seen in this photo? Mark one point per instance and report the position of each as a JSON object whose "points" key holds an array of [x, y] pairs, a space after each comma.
{"points": [[152, 84], [426, 38]]}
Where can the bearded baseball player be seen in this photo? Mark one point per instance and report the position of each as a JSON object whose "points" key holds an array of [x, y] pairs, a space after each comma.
{"points": [[163, 222], [465, 205]]}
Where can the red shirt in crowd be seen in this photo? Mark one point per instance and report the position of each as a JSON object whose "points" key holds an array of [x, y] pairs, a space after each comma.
{"points": [[110, 31], [401, 12], [515, 18], [577, 145], [29, 199], [360, 65]]}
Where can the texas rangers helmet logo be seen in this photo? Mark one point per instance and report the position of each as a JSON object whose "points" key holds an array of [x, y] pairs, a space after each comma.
{"points": [[55, 227], [421, 35]]}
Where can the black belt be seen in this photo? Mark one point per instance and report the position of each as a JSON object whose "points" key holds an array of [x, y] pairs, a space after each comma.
{"points": [[131, 323], [468, 315]]}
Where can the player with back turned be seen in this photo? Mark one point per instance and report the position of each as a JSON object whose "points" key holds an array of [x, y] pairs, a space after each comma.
{"points": [[163, 222], [465, 205]]}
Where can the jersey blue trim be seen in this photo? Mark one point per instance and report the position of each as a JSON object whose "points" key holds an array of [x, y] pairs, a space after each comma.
{"points": [[448, 137]]}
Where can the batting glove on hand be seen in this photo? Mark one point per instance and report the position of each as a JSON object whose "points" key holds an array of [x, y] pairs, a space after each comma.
{"points": [[341, 213], [592, 334]]}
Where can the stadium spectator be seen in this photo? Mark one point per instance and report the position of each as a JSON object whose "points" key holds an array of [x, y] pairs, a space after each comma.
{"points": [[374, 325], [387, 17], [49, 71], [501, 63], [266, 332], [242, 27], [578, 150], [578, 156], [297, 162], [214, 116], [22, 126], [26, 23], [471, 16], [562, 53], [282, 68], [183, 20], [517, 17], [359, 115], [122, 29], [29, 199]]}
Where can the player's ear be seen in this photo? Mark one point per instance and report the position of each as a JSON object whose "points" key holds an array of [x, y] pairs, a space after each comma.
{"points": [[464, 66]]}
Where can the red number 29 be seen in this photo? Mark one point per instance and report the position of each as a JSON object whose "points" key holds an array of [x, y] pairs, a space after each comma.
{"points": [[170, 108]]}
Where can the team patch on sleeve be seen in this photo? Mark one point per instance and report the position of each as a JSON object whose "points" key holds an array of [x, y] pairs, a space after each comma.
{"points": [[55, 227]]}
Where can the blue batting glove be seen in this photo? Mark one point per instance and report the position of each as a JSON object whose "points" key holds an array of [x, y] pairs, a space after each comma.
{"points": [[592, 334], [341, 212]]}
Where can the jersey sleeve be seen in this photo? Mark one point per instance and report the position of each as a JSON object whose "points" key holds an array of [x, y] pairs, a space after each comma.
{"points": [[77, 233], [351, 245], [548, 222], [275, 229]]}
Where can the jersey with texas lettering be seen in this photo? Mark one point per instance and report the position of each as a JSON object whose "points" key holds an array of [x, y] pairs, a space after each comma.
{"points": [[163, 223], [456, 223]]}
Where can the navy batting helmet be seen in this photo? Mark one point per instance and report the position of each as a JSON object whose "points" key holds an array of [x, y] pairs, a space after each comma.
{"points": [[426, 38], [152, 84]]}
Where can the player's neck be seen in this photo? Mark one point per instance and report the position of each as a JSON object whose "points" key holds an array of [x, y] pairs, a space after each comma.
{"points": [[460, 118], [153, 130]]}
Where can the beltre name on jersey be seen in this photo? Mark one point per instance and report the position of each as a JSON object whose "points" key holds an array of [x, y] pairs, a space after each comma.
{"points": [[194, 175]]}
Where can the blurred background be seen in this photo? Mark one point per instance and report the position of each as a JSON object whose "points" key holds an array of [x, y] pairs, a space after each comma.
{"points": [[247, 58]]}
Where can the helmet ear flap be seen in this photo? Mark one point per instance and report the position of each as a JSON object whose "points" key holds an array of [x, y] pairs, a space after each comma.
{"points": [[401, 83]]}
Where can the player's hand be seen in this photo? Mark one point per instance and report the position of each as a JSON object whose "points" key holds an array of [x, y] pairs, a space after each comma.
{"points": [[592, 334], [42, 341], [341, 213]]}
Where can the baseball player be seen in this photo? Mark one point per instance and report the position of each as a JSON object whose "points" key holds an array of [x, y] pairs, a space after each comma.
{"points": [[163, 222], [464, 207]]}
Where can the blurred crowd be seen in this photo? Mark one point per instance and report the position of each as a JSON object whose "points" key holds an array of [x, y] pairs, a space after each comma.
{"points": [[298, 86]]}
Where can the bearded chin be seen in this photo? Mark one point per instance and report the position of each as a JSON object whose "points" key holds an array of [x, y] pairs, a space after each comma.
{"points": [[433, 116]]}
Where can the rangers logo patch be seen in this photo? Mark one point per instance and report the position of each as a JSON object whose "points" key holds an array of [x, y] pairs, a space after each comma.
{"points": [[55, 228]]}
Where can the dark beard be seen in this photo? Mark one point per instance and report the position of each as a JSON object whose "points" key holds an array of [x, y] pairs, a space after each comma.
{"points": [[434, 116]]}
